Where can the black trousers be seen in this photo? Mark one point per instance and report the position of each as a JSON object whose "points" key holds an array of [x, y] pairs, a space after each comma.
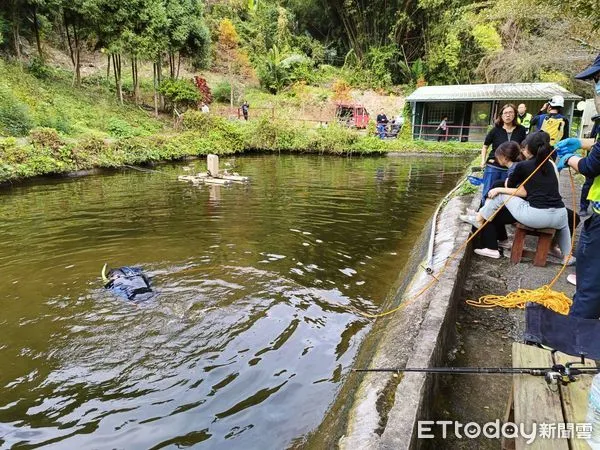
{"points": [[496, 230]]}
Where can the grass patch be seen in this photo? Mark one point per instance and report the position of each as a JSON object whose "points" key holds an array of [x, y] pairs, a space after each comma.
{"points": [[48, 126], [27, 102]]}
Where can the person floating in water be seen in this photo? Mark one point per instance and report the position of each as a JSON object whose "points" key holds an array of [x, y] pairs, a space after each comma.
{"points": [[127, 282]]}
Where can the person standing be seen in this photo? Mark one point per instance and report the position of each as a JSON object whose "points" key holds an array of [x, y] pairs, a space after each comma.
{"points": [[551, 120], [586, 302], [442, 128], [382, 122], [245, 108], [523, 117], [505, 129]]}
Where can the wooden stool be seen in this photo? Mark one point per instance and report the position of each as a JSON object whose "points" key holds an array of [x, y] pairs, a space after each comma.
{"points": [[544, 235]]}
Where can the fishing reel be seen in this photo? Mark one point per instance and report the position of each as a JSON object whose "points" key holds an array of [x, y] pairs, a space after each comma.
{"points": [[566, 374], [558, 375]]}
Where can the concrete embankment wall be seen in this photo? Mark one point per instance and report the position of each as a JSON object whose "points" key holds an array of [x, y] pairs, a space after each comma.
{"points": [[386, 407]]}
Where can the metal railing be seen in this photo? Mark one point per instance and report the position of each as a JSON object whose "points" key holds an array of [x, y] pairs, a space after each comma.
{"points": [[461, 133]]}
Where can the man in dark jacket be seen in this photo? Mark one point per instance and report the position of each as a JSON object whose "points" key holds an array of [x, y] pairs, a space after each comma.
{"points": [[551, 120], [382, 122], [586, 302]]}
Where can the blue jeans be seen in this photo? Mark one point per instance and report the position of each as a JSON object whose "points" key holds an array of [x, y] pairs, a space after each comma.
{"points": [[586, 302], [491, 175], [381, 130]]}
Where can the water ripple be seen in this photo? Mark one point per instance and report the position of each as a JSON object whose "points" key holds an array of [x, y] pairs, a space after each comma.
{"points": [[255, 320]]}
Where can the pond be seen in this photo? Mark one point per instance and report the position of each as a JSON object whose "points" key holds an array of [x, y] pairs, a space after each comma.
{"points": [[256, 318]]}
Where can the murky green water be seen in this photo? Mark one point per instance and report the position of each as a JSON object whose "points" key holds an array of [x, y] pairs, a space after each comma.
{"points": [[255, 322]]}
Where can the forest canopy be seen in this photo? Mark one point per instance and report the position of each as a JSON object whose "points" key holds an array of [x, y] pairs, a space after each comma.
{"points": [[370, 43]]}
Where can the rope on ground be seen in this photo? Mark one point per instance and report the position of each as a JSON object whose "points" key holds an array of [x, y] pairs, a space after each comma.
{"points": [[556, 301], [545, 295], [436, 277]]}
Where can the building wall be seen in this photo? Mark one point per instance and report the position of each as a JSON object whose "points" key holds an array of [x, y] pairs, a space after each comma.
{"points": [[468, 121]]}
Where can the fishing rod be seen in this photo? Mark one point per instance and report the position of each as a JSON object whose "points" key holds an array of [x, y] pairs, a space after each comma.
{"points": [[558, 373]]}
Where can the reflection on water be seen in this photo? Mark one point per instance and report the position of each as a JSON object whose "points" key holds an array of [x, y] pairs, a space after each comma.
{"points": [[255, 322]]}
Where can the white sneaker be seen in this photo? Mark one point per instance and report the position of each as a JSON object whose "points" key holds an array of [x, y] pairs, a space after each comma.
{"points": [[472, 219], [572, 279], [505, 244], [488, 252], [571, 262]]}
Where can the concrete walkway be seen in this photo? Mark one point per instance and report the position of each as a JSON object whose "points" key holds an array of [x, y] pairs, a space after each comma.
{"points": [[485, 336]]}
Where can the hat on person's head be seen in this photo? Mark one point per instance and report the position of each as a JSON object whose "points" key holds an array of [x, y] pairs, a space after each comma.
{"points": [[557, 100], [591, 71]]}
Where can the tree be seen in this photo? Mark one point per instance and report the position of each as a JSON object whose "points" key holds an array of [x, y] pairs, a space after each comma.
{"points": [[533, 51], [187, 34], [75, 15], [230, 57]]}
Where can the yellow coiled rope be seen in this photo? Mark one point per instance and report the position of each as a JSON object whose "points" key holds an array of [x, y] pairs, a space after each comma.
{"points": [[556, 301]]}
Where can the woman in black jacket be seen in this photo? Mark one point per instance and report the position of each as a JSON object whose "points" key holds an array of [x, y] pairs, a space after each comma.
{"points": [[505, 129]]}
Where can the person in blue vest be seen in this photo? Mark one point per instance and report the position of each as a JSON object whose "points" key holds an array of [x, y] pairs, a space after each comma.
{"points": [[584, 203], [551, 120], [586, 302]]}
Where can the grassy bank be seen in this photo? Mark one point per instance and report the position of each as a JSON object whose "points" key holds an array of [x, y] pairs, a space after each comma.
{"points": [[47, 126]]}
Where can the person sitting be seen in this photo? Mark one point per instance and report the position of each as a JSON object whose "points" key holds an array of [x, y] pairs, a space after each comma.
{"points": [[536, 204], [494, 235]]}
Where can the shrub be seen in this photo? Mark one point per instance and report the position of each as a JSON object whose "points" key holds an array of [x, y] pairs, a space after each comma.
{"points": [[276, 70], [6, 172], [195, 120], [40, 70], [46, 138], [335, 138], [12, 153], [181, 94], [87, 151], [48, 116], [119, 128], [15, 119], [222, 92], [98, 79]]}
